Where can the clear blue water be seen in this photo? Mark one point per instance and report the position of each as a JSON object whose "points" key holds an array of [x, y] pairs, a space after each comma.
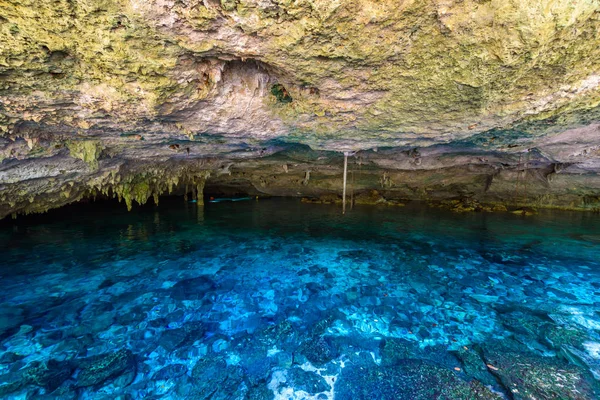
{"points": [[279, 299]]}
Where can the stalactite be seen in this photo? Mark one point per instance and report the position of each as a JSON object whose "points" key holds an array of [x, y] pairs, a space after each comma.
{"points": [[200, 190], [306, 178]]}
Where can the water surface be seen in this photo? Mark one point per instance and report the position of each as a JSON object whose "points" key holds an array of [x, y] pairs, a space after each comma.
{"points": [[279, 299]]}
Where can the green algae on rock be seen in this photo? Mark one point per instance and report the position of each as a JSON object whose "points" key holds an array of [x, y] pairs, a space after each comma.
{"points": [[97, 370], [410, 379], [533, 376], [87, 151], [458, 85]]}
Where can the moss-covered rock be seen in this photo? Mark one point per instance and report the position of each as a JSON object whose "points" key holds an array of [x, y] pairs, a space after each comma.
{"points": [[96, 370], [88, 151]]}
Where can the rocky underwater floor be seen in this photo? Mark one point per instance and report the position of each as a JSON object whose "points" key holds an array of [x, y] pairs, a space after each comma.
{"points": [[278, 299]]}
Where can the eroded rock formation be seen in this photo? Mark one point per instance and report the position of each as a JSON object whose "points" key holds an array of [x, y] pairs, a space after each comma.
{"points": [[442, 99]]}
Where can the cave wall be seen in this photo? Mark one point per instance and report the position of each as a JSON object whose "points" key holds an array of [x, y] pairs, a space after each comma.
{"points": [[97, 96]]}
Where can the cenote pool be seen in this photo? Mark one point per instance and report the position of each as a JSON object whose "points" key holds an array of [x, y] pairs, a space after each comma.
{"points": [[278, 299]]}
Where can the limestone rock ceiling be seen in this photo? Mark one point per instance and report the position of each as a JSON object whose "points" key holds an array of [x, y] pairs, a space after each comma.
{"points": [[160, 80]]}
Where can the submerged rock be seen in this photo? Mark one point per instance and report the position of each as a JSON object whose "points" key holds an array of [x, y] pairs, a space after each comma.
{"points": [[10, 383], [528, 376], [98, 369], [394, 351], [9, 357], [484, 298], [171, 372], [280, 334], [558, 336], [48, 375], [473, 365], [191, 289], [307, 381], [257, 368], [408, 380], [213, 378], [319, 350], [171, 339], [10, 317], [259, 393], [584, 358]]}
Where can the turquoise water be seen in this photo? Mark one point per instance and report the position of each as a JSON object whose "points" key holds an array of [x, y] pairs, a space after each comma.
{"points": [[279, 299]]}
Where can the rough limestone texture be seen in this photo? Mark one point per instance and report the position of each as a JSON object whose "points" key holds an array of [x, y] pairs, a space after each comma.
{"points": [[453, 91]]}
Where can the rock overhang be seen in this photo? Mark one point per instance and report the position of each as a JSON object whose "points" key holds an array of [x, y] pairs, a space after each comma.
{"points": [[124, 81]]}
